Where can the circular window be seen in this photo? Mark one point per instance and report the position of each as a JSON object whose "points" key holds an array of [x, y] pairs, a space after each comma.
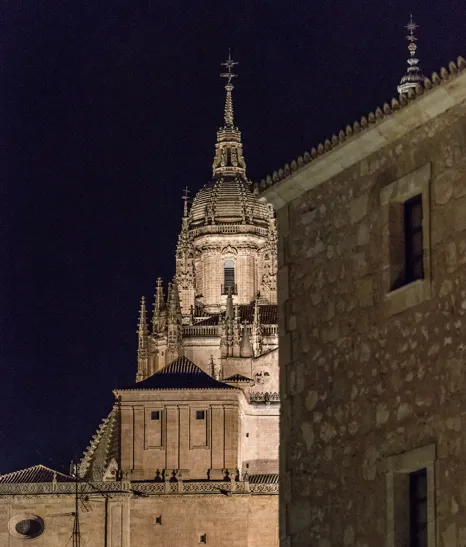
{"points": [[26, 526]]}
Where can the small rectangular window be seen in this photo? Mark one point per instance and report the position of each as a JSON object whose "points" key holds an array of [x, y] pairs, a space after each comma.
{"points": [[203, 539], [200, 414], [413, 239], [158, 520], [155, 415], [418, 508]]}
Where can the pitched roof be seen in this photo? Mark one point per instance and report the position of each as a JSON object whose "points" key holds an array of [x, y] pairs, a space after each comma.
{"points": [[237, 378], [37, 473], [179, 374], [373, 118], [266, 478], [103, 447], [268, 315]]}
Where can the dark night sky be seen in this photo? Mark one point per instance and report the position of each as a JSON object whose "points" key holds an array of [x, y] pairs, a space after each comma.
{"points": [[108, 110]]}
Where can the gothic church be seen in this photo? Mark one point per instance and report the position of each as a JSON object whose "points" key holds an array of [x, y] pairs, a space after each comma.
{"points": [[189, 453]]}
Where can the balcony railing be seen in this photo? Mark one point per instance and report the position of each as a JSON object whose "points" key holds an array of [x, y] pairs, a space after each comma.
{"points": [[267, 397]]}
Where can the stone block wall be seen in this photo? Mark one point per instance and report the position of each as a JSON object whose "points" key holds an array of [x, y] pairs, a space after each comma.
{"points": [[166, 521], [177, 439], [373, 379]]}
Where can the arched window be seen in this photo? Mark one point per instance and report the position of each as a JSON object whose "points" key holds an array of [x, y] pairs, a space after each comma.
{"points": [[229, 276]]}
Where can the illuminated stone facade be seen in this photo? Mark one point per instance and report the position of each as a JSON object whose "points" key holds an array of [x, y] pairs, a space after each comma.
{"points": [[189, 453], [372, 300]]}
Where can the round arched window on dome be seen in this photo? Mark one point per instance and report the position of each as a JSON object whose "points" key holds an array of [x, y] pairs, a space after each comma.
{"points": [[229, 276], [26, 526]]}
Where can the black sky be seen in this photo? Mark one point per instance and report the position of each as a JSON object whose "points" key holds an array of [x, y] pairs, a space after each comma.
{"points": [[108, 110]]}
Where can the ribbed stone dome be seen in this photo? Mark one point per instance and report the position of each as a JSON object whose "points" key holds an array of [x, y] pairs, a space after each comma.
{"points": [[228, 200]]}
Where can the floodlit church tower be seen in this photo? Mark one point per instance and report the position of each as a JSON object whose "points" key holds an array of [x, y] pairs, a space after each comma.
{"points": [[413, 74], [224, 294], [189, 452]]}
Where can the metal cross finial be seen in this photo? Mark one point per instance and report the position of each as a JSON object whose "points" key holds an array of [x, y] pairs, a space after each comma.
{"points": [[411, 26], [229, 64]]}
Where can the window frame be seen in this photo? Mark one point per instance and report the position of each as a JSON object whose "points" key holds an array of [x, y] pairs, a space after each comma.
{"points": [[400, 295], [399, 468]]}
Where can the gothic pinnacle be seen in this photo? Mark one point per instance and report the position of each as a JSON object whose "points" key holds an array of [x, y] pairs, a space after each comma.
{"points": [[159, 307], [142, 325], [229, 313]]}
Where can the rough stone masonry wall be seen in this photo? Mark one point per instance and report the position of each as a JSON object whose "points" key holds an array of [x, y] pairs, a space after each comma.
{"points": [[358, 385]]}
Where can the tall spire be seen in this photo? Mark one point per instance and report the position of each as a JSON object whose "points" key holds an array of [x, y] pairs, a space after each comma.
{"points": [[174, 322], [159, 315], [229, 75], [143, 343], [229, 158], [413, 75], [257, 330]]}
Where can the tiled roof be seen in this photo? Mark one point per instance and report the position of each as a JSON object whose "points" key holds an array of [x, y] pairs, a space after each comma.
{"points": [[379, 114], [208, 321], [269, 478], [237, 378], [268, 315], [37, 473], [179, 374], [103, 447]]}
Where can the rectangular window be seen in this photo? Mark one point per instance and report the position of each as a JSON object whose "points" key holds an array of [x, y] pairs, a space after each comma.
{"points": [[418, 508], [203, 539], [155, 415], [406, 249], [413, 239], [411, 495], [200, 414]]}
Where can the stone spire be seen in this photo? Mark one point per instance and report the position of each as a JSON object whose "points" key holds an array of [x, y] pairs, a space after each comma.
{"points": [[257, 330], [246, 349], [143, 343], [413, 75], [229, 158], [229, 313], [159, 313], [174, 322]]}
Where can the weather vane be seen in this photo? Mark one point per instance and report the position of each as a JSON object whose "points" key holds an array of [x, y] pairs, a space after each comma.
{"points": [[229, 64]]}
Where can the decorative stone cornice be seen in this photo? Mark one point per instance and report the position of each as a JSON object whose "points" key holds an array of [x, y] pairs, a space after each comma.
{"points": [[127, 488], [374, 131]]}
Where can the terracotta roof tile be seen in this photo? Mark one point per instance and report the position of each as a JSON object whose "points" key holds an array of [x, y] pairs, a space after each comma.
{"points": [[269, 478], [379, 114], [268, 314], [237, 378], [37, 473], [179, 374]]}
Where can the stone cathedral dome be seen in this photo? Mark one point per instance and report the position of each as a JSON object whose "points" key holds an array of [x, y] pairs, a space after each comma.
{"points": [[228, 200]]}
